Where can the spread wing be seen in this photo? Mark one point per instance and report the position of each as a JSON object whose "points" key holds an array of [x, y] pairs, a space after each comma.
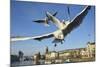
{"points": [[44, 20], [54, 20], [32, 38], [77, 20], [39, 21]]}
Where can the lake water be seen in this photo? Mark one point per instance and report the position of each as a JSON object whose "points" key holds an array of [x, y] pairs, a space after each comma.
{"points": [[25, 63]]}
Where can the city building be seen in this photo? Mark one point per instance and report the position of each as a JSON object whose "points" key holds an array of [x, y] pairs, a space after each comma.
{"points": [[70, 55], [36, 58], [91, 49]]}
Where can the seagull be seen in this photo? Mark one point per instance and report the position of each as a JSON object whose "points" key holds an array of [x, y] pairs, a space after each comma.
{"points": [[45, 20], [64, 27]]}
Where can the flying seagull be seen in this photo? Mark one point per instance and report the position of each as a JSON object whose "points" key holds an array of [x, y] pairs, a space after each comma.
{"points": [[64, 28], [45, 20]]}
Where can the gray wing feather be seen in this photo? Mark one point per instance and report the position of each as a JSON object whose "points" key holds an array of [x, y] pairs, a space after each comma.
{"points": [[77, 20]]}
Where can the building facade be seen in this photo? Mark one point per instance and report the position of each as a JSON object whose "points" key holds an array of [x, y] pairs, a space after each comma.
{"points": [[69, 55]]}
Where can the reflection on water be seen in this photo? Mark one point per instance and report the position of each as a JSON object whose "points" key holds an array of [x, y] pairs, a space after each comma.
{"points": [[22, 63], [25, 63]]}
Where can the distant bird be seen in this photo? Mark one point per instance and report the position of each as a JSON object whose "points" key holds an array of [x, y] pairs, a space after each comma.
{"points": [[45, 20], [64, 28]]}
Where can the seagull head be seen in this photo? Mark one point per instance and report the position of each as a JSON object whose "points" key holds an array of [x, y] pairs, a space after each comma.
{"points": [[63, 21]]}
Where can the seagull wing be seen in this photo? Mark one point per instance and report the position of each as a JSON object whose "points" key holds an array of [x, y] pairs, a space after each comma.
{"points": [[32, 38], [55, 14], [39, 21], [77, 20], [54, 20], [45, 36]]}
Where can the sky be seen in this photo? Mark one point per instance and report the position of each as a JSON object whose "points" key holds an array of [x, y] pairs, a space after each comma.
{"points": [[23, 13]]}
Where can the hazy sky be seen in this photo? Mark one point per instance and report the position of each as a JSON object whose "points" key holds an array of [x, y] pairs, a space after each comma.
{"points": [[23, 13]]}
